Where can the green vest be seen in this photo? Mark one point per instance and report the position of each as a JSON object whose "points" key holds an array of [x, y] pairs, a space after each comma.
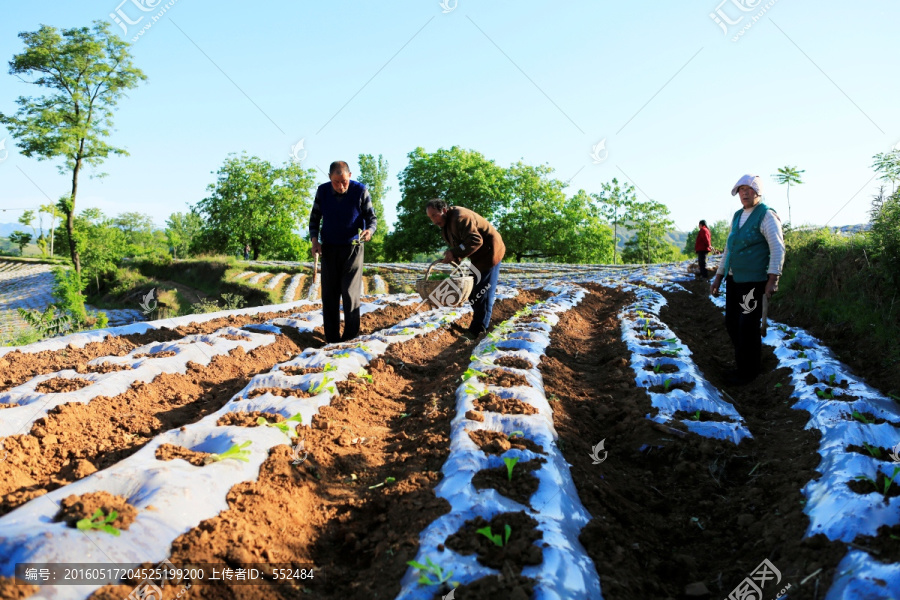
{"points": [[748, 250]]}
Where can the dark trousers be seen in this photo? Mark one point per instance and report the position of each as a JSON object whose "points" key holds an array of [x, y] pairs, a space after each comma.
{"points": [[743, 326], [701, 258], [482, 300], [342, 267]]}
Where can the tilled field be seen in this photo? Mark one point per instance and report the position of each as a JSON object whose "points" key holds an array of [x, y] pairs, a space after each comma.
{"points": [[588, 447]]}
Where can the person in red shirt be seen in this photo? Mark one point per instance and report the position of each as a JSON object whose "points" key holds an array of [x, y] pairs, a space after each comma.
{"points": [[703, 246]]}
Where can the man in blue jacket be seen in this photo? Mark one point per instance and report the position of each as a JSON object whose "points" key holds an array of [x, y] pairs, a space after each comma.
{"points": [[344, 209]]}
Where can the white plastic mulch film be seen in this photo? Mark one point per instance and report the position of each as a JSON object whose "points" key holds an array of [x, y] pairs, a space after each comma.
{"points": [[566, 571], [650, 354], [832, 395], [172, 497]]}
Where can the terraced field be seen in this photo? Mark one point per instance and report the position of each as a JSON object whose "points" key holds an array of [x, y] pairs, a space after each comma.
{"points": [[586, 448]]}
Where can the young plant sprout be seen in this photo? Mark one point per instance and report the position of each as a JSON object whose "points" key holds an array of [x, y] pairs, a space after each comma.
{"points": [[667, 384], [318, 389], [831, 379], [874, 451], [516, 434], [236, 452], [696, 416], [407, 331], [657, 367], [357, 241], [364, 348], [860, 417], [802, 355], [329, 367], [363, 375], [489, 348], [469, 389], [285, 427], [496, 538], [99, 521], [430, 568], [825, 395], [470, 373], [387, 480], [510, 463], [887, 481]]}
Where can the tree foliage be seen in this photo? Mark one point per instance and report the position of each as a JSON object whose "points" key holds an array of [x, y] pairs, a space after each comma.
{"points": [[254, 202], [181, 231], [374, 173], [615, 200], [87, 71], [20, 239], [650, 221], [461, 177], [789, 176]]}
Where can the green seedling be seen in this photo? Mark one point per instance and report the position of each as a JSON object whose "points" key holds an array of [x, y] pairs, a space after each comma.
{"points": [[657, 367], [874, 451], [364, 348], [387, 481], [667, 384], [99, 521], [897, 398], [777, 385], [404, 415], [825, 395], [888, 481], [489, 348], [510, 463], [485, 361], [318, 389], [469, 389], [674, 352], [329, 367], [517, 434], [363, 375], [285, 426], [236, 452], [357, 241], [544, 319], [470, 373], [860, 417], [496, 538], [802, 355], [407, 331], [696, 416], [808, 366], [430, 568]]}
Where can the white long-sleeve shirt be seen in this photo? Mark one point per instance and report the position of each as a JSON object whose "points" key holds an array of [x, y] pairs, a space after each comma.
{"points": [[770, 227]]}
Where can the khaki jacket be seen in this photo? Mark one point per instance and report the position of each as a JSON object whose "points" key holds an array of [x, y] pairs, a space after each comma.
{"points": [[470, 235]]}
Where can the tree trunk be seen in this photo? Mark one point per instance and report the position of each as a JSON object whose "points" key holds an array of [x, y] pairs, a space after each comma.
{"points": [[789, 201], [52, 227], [70, 218]]}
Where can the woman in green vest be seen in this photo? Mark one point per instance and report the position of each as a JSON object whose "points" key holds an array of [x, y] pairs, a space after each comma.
{"points": [[754, 255]]}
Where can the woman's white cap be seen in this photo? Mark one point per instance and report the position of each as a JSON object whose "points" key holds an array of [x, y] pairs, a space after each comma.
{"points": [[753, 181]]}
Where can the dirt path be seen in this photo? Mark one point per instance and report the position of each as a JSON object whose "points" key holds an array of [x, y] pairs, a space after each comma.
{"points": [[672, 512]]}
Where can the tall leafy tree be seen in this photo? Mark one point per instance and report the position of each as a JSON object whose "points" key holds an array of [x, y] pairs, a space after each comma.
{"points": [[615, 200], [254, 202], [181, 230], [887, 164], [461, 177], [789, 176], [20, 239], [87, 71], [650, 221], [374, 173]]}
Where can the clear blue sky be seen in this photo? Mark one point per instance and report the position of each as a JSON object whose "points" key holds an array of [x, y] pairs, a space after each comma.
{"points": [[684, 109]]}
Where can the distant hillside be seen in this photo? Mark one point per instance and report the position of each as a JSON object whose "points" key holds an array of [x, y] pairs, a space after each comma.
{"points": [[675, 237]]}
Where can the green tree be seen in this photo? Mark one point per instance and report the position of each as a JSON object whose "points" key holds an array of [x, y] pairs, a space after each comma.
{"points": [[20, 239], [650, 221], [55, 213], [108, 246], [181, 230], [615, 201], [885, 236], [789, 176], [541, 223], [460, 177], [888, 165], [88, 71], [374, 173], [253, 202], [26, 219], [139, 235]]}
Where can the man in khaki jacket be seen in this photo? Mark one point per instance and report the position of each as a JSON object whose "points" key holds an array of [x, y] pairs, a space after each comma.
{"points": [[471, 236]]}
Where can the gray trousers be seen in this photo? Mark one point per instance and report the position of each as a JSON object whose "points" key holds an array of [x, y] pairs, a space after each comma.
{"points": [[342, 267]]}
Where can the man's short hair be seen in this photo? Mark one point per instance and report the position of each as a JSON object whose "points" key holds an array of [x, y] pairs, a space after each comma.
{"points": [[437, 204], [703, 223], [338, 166]]}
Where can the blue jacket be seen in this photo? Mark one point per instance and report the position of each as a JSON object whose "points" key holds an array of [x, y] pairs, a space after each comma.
{"points": [[341, 215]]}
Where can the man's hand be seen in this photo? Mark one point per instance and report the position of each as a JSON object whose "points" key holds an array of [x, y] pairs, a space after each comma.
{"points": [[448, 257], [714, 286], [771, 285], [316, 248], [365, 236]]}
